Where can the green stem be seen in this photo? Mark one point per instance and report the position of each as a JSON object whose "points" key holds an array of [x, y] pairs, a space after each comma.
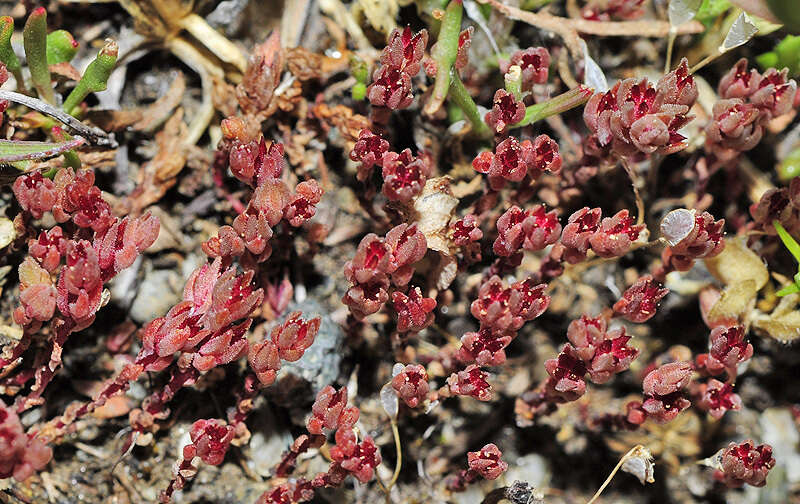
{"points": [[71, 158], [444, 54], [460, 96], [575, 97], [95, 78], [34, 39]]}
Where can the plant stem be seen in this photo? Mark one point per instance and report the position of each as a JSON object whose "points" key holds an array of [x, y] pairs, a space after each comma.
{"points": [[613, 472], [561, 103], [670, 45], [461, 97], [399, 449], [220, 46], [95, 78], [634, 179], [444, 54], [705, 61]]}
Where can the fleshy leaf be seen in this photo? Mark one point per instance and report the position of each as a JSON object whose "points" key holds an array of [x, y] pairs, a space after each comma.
{"points": [[61, 47], [34, 38]]}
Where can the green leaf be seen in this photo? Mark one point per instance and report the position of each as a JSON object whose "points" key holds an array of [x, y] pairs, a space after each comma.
{"points": [[785, 55], [12, 151], [789, 289], [710, 10], [61, 47], [790, 243], [7, 55], [34, 39], [787, 13]]}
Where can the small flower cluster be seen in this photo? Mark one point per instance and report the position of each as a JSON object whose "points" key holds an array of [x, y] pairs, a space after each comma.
{"points": [[486, 463], [780, 204], [664, 397], [635, 118], [593, 352], [21, 454], [261, 167], [410, 383], [607, 237], [749, 101], [745, 462], [501, 311], [727, 349], [513, 161], [208, 328], [210, 442], [329, 412], [288, 341], [506, 111], [404, 175], [380, 263], [466, 234], [401, 61], [92, 247], [534, 63], [639, 302], [716, 398], [471, 381]]}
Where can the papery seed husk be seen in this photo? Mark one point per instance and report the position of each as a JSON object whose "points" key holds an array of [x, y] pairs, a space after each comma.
{"points": [[677, 225]]}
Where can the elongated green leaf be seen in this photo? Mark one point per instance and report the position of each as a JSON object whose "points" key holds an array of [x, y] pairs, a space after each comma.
{"points": [[16, 150], [788, 242], [789, 289]]}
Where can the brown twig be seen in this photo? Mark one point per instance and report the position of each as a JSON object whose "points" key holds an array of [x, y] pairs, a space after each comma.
{"points": [[94, 136], [569, 28]]}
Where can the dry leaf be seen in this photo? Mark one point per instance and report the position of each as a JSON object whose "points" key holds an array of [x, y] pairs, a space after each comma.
{"points": [[737, 263], [737, 300], [783, 324], [435, 207], [143, 118]]}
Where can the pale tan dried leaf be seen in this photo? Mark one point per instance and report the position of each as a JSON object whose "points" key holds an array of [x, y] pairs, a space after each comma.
{"points": [[143, 118], [737, 301], [783, 324], [435, 206], [7, 232], [737, 263], [380, 14]]}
